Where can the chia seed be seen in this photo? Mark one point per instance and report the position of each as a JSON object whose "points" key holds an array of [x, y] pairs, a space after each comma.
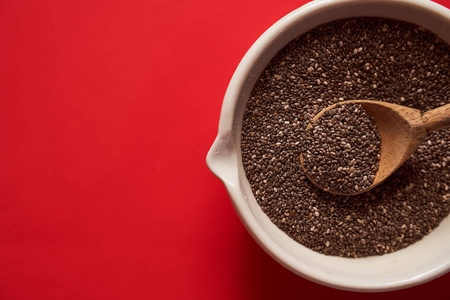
{"points": [[341, 149], [395, 214]]}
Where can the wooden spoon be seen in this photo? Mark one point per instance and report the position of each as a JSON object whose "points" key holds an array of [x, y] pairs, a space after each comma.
{"points": [[402, 130]]}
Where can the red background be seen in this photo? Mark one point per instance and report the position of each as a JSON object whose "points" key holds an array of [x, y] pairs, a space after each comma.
{"points": [[107, 111]]}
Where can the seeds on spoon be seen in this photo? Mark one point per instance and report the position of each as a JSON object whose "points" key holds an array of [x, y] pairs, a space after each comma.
{"points": [[341, 150]]}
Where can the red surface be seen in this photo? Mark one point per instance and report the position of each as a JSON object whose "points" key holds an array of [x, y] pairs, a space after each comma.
{"points": [[107, 111]]}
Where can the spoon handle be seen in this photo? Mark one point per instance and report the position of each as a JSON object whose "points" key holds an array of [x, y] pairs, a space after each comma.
{"points": [[436, 119]]}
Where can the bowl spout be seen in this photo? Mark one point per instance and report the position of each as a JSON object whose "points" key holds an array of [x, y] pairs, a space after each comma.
{"points": [[222, 159]]}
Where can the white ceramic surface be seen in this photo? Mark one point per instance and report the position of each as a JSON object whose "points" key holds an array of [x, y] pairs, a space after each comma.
{"points": [[418, 263]]}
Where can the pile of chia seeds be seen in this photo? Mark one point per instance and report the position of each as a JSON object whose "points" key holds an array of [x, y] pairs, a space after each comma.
{"points": [[341, 149], [358, 58]]}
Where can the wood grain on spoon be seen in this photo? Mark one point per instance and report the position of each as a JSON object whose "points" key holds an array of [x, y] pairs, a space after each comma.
{"points": [[402, 130]]}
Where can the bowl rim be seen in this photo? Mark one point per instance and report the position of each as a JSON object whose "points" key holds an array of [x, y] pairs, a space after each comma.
{"points": [[221, 159]]}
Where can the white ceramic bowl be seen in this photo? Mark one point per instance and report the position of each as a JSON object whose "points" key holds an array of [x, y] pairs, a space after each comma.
{"points": [[418, 263]]}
